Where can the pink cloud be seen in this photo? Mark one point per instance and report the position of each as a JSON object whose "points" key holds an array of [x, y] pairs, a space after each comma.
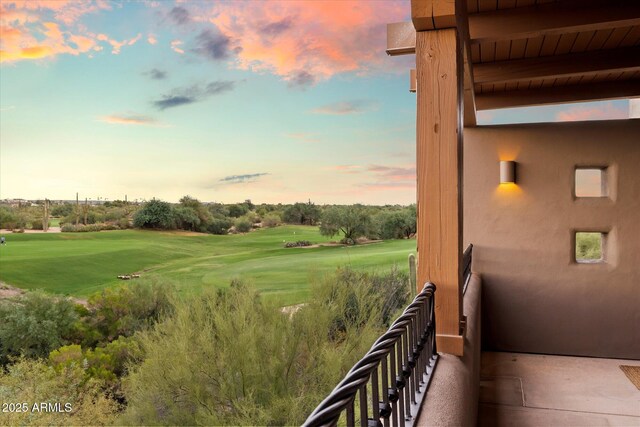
{"points": [[605, 111], [152, 39], [123, 119], [394, 173], [308, 41], [175, 46]]}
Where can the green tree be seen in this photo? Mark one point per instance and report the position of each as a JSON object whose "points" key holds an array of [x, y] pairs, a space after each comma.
{"points": [[237, 210], [302, 213], [351, 221], [395, 224], [154, 214]]}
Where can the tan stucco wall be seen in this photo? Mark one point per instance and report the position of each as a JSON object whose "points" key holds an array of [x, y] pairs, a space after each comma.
{"points": [[535, 297], [452, 398]]}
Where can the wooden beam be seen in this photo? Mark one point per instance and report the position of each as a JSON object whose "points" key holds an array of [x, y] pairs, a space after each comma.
{"points": [[553, 19], [401, 39], [439, 157], [558, 95], [469, 103], [558, 66], [433, 14]]}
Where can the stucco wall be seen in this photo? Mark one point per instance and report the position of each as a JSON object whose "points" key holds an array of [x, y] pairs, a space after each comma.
{"points": [[452, 399], [535, 297]]}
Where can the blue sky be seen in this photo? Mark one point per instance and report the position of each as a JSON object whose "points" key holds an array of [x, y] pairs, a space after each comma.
{"points": [[223, 101]]}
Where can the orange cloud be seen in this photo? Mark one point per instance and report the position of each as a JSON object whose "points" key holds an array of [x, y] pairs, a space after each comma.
{"points": [[318, 38], [37, 29], [152, 39], [604, 111]]}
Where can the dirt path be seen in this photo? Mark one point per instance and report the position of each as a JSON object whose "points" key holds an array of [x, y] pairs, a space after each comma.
{"points": [[8, 291], [51, 230]]}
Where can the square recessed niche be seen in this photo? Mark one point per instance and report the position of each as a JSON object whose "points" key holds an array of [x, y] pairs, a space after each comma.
{"points": [[590, 247], [591, 182]]}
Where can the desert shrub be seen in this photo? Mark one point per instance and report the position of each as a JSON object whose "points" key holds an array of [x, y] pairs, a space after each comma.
{"points": [[106, 364], [249, 363], [11, 218], [115, 214], [243, 225], [33, 381], [63, 209], [298, 244], [125, 309], [81, 228], [271, 220], [35, 323], [186, 218], [219, 225], [68, 228], [123, 223]]}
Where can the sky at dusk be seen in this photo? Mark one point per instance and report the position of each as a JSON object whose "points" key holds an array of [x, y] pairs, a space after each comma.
{"points": [[224, 101]]}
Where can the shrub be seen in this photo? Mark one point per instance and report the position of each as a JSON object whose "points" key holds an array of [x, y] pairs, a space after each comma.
{"points": [[271, 220], [35, 323], [219, 225], [243, 225], [298, 244], [248, 363], [33, 381], [125, 309], [106, 364]]}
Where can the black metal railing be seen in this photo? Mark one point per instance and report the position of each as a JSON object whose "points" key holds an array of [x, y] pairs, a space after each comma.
{"points": [[392, 379], [467, 258]]}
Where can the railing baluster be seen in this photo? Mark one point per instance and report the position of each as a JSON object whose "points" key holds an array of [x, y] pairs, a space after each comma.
{"points": [[375, 396], [351, 417], [364, 416], [385, 391], [400, 383]]}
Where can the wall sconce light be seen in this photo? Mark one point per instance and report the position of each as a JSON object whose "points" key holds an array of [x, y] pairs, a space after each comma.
{"points": [[507, 172]]}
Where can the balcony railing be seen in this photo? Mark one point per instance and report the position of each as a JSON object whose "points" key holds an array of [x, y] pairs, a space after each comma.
{"points": [[387, 386], [467, 258]]}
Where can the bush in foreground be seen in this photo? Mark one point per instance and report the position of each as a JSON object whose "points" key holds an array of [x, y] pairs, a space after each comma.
{"points": [[81, 401], [34, 324], [231, 358]]}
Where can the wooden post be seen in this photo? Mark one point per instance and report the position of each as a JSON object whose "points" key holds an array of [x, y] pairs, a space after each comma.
{"points": [[439, 67]]}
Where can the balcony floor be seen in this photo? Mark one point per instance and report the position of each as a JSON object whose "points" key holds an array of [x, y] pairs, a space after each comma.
{"points": [[524, 390]]}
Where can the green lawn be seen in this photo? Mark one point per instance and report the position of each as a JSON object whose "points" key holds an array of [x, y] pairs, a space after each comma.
{"points": [[81, 263]]}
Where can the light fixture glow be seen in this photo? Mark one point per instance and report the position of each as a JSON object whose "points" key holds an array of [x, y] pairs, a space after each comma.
{"points": [[507, 172]]}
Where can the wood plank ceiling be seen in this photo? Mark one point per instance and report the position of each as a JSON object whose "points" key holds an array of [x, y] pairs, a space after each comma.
{"points": [[532, 52]]}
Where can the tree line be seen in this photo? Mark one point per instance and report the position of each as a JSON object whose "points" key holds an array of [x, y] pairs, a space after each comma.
{"points": [[349, 222]]}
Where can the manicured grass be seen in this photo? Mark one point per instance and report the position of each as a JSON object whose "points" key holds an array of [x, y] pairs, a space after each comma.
{"points": [[81, 263]]}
